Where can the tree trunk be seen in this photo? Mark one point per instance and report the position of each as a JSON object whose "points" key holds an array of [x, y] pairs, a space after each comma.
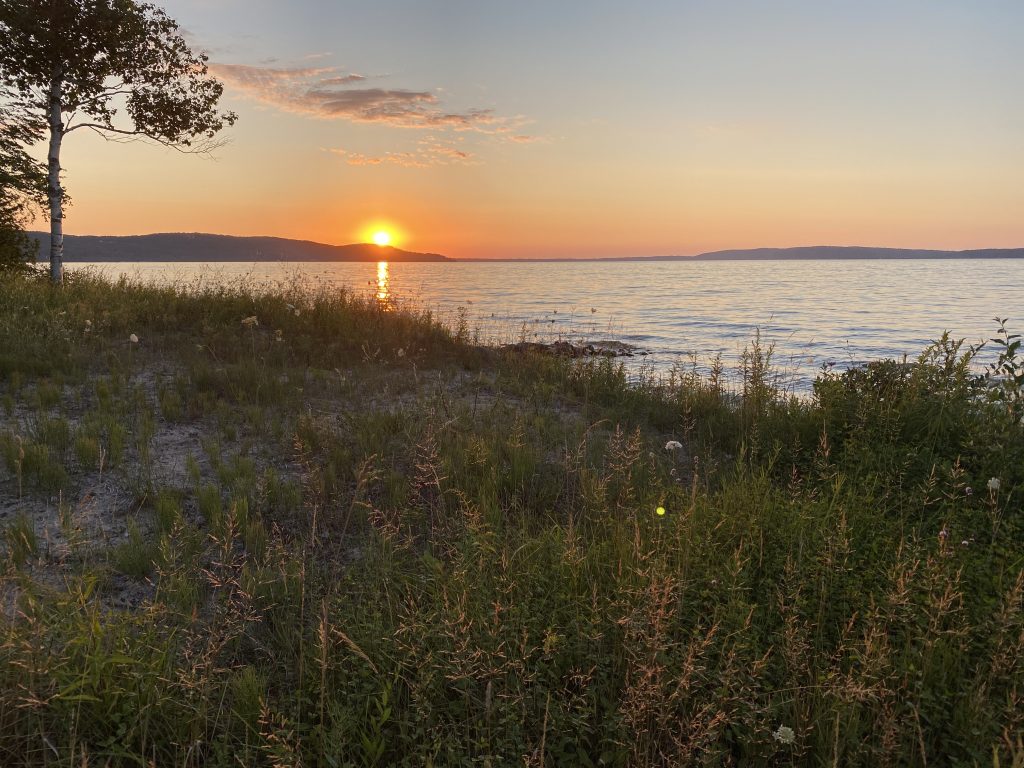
{"points": [[54, 189]]}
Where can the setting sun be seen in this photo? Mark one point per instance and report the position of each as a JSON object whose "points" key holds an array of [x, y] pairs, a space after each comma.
{"points": [[381, 232]]}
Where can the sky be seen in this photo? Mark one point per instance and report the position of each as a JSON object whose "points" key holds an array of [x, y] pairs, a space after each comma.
{"points": [[589, 128]]}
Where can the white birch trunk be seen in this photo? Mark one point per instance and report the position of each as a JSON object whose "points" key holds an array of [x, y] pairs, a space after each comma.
{"points": [[54, 190]]}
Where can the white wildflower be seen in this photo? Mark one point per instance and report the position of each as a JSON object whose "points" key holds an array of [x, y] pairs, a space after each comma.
{"points": [[784, 735], [993, 484], [133, 339], [250, 322], [400, 353], [297, 313], [278, 335], [969, 491], [88, 326], [673, 445]]}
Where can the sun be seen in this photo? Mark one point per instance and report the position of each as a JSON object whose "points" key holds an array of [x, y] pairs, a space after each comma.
{"points": [[381, 232]]}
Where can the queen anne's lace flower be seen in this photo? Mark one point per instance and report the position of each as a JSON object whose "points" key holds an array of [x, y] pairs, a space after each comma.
{"points": [[784, 734], [133, 339], [673, 445], [993, 484]]}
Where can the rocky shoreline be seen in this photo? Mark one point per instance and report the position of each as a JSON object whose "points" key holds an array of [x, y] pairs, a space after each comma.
{"points": [[568, 349]]}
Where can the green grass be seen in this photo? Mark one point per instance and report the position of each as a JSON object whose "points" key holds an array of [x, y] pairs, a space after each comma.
{"points": [[452, 557]]}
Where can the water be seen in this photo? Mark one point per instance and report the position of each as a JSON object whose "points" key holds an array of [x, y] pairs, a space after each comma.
{"points": [[813, 312]]}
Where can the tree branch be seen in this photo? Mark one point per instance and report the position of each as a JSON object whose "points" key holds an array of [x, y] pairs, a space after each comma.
{"points": [[121, 135]]}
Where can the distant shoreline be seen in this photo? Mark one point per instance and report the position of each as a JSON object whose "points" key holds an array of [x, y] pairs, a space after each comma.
{"points": [[193, 248]]}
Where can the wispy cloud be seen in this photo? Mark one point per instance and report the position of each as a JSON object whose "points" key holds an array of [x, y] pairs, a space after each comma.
{"points": [[327, 92], [343, 80], [429, 153]]}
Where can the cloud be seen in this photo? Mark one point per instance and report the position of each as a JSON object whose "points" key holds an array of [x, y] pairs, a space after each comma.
{"points": [[345, 80], [430, 153], [326, 92]]}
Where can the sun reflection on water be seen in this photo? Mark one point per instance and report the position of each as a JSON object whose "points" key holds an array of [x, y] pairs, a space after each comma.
{"points": [[383, 282]]}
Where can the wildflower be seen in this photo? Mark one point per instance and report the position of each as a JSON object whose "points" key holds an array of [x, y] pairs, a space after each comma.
{"points": [[291, 307], [250, 322], [673, 445], [88, 326], [400, 353], [784, 734], [969, 491], [278, 335], [993, 484], [133, 339], [943, 534], [296, 311], [660, 511], [965, 543]]}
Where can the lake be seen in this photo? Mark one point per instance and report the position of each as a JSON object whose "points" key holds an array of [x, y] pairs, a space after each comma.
{"points": [[813, 312]]}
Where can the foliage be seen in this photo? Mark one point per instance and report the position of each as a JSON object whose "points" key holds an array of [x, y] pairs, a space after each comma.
{"points": [[103, 52], [22, 189], [451, 556]]}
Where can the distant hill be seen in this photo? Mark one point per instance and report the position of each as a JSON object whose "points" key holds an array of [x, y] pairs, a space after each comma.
{"points": [[213, 248], [200, 247], [841, 252]]}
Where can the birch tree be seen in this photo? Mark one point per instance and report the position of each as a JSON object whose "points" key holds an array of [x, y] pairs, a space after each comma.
{"points": [[120, 68]]}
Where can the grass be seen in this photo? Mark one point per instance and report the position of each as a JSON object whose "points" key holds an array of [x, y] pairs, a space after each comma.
{"points": [[332, 554]]}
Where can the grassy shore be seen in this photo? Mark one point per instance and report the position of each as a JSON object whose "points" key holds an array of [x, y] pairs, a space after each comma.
{"points": [[282, 527]]}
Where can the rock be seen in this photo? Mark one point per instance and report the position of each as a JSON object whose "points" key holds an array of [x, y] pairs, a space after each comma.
{"points": [[567, 349]]}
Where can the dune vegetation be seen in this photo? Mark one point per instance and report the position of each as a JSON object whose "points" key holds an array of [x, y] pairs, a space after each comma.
{"points": [[276, 526]]}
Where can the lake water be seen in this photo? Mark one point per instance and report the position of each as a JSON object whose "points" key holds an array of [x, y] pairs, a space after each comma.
{"points": [[813, 312]]}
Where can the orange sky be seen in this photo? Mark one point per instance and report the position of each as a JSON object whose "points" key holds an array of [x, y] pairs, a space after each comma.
{"points": [[680, 130]]}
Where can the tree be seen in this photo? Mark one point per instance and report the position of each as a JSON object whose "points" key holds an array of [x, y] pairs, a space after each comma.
{"points": [[22, 191], [117, 67]]}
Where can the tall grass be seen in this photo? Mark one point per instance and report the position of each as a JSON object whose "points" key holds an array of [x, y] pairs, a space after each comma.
{"points": [[453, 556]]}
